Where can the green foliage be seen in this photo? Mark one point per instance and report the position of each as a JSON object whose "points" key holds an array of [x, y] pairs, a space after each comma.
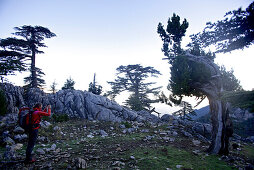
{"points": [[94, 88], [3, 104], [186, 112], [69, 84], [185, 74], [10, 61], [28, 46], [230, 82], [248, 151], [168, 157], [232, 33], [244, 128], [172, 36], [40, 81], [60, 117], [127, 124], [242, 99], [135, 103], [132, 78], [53, 87]]}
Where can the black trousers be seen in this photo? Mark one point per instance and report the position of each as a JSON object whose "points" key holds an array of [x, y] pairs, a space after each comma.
{"points": [[32, 137]]}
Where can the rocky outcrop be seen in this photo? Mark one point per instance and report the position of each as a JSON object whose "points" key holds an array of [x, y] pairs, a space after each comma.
{"points": [[241, 114], [87, 105], [74, 103], [14, 97]]}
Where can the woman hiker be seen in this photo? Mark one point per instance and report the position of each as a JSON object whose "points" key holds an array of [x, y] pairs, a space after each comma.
{"points": [[36, 116]]}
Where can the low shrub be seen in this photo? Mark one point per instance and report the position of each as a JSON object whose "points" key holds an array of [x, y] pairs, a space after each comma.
{"points": [[60, 117]]}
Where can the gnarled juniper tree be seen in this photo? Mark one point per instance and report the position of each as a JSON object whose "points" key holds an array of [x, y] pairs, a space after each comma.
{"points": [[194, 73]]}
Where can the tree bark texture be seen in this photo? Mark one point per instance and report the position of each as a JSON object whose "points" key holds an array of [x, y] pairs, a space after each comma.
{"points": [[33, 70], [219, 110]]}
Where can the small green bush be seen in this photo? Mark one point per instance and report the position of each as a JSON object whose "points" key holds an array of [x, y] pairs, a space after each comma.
{"points": [[60, 117], [3, 103], [127, 124]]}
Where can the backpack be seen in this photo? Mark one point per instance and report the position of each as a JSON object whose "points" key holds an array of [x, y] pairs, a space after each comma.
{"points": [[25, 119]]}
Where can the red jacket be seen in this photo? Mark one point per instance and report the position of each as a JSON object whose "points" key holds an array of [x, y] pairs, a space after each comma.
{"points": [[36, 116]]}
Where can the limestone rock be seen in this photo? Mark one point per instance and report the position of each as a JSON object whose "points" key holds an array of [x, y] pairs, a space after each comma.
{"points": [[81, 163], [18, 130]]}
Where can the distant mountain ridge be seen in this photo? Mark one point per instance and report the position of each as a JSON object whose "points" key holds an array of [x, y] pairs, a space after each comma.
{"points": [[201, 112]]}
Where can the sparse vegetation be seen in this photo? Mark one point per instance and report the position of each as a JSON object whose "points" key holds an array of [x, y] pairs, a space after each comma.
{"points": [[118, 149]]}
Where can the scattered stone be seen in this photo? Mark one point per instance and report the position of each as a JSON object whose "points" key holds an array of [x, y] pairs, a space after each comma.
{"points": [[8, 141], [45, 124], [163, 133], [9, 153], [187, 134], [250, 139], [17, 146], [179, 166], [18, 130], [174, 133], [20, 137], [167, 117], [40, 151], [53, 147], [90, 136], [196, 142], [122, 126], [130, 130], [145, 131], [41, 139], [103, 133], [196, 152], [132, 157], [118, 163], [6, 133], [81, 163], [56, 128]]}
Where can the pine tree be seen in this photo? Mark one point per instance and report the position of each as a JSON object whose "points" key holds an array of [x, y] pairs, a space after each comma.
{"points": [[10, 60], [28, 45], [131, 78], [186, 112], [53, 87], [94, 88], [69, 84]]}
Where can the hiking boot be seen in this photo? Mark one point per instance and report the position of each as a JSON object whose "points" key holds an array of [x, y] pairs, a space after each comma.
{"points": [[30, 161]]}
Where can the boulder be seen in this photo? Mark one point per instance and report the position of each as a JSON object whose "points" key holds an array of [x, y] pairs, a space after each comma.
{"points": [[18, 130], [148, 116], [14, 97], [167, 118], [8, 141]]}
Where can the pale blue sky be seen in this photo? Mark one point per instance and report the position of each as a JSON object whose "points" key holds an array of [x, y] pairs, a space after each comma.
{"points": [[100, 35]]}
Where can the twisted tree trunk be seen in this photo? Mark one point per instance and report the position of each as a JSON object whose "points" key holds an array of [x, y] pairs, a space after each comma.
{"points": [[222, 129], [219, 110]]}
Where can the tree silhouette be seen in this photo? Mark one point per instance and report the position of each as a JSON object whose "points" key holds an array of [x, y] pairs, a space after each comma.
{"points": [[236, 31], [53, 87], [94, 88], [132, 78], [69, 84], [32, 37], [10, 62], [186, 112]]}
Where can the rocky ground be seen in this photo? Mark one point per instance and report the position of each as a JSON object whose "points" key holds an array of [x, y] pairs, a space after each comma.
{"points": [[82, 144]]}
